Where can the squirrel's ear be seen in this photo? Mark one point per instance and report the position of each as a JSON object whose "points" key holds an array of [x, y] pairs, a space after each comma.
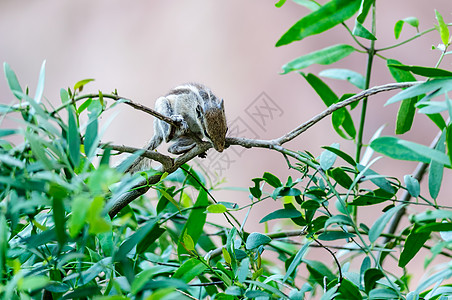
{"points": [[222, 104]]}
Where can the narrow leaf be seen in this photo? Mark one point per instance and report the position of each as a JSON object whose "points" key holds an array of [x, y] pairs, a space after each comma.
{"points": [[272, 180], [412, 185], [353, 77], [327, 158], [329, 15], [361, 31], [281, 214], [40, 86], [405, 150], [435, 172], [437, 85], [442, 28], [297, 260], [380, 224], [364, 10], [413, 244], [13, 83], [407, 109], [324, 56], [423, 71], [256, 239], [342, 155], [190, 269], [217, 209], [280, 3]]}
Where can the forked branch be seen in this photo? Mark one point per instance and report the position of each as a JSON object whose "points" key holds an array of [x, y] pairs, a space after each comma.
{"points": [[169, 164]]}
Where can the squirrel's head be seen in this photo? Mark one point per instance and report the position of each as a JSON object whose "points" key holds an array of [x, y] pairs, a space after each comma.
{"points": [[215, 124]]}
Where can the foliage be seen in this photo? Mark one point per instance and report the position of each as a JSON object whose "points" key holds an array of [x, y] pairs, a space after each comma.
{"points": [[57, 186]]}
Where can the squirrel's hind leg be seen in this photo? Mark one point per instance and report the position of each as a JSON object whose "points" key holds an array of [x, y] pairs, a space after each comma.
{"points": [[182, 145]]}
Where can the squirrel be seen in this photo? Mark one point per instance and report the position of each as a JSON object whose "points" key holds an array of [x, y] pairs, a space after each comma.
{"points": [[200, 115]]}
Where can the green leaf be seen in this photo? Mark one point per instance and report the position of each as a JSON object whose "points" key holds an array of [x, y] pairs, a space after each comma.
{"points": [[407, 109], [348, 291], [405, 150], [328, 158], [437, 85], [149, 239], [243, 270], [13, 83], [143, 277], [217, 209], [79, 85], [256, 239], [91, 135], [38, 149], [361, 31], [80, 205], [309, 4], [73, 136], [373, 197], [413, 243], [449, 142], [423, 71], [335, 235], [297, 260], [353, 77], [435, 172], [398, 28], [442, 28], [341, 177], [4, 228], [342, 155], [196, 220], [322, 89], [134, 239], [364, 10], [412, 185], [256, 191], [383, 294], [326, 17], [59, 217], [319, 272], [341, 117], [430, 215], [280, 3], [94, 270], [35, 282], [267, 287], [188, 242], [324, 56], [399, 25], [190, 269], [371, 276], [40, 86], [340, 220], [281, 214], [435, 227], [272, 180], [380, 224]]}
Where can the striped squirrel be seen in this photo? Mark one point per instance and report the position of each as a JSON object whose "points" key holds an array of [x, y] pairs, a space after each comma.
{"points": [[198, 110]]}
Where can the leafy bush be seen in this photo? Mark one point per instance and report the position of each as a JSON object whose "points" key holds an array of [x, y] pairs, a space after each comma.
{"points": [[69, 228]]}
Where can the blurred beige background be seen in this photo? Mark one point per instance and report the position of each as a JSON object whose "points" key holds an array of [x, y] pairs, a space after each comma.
{"points": [[144, 48]]}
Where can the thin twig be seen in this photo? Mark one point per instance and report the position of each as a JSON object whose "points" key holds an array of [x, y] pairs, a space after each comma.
{"points": [[275, 144]]}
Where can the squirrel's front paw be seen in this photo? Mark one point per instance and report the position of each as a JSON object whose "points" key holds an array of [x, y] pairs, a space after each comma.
{"points": [[179, 119]]}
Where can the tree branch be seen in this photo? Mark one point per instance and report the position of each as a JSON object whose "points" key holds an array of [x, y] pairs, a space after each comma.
{"points": [[169, 164]]}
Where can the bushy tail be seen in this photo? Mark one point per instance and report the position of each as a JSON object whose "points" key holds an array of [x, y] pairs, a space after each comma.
{"points": [[143, 163]]}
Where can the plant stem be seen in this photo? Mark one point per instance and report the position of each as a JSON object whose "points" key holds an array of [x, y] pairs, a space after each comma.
{"points": [[370, 58]]}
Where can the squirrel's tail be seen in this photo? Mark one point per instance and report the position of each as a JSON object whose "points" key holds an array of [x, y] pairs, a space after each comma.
{"points": [[143, 163]]}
